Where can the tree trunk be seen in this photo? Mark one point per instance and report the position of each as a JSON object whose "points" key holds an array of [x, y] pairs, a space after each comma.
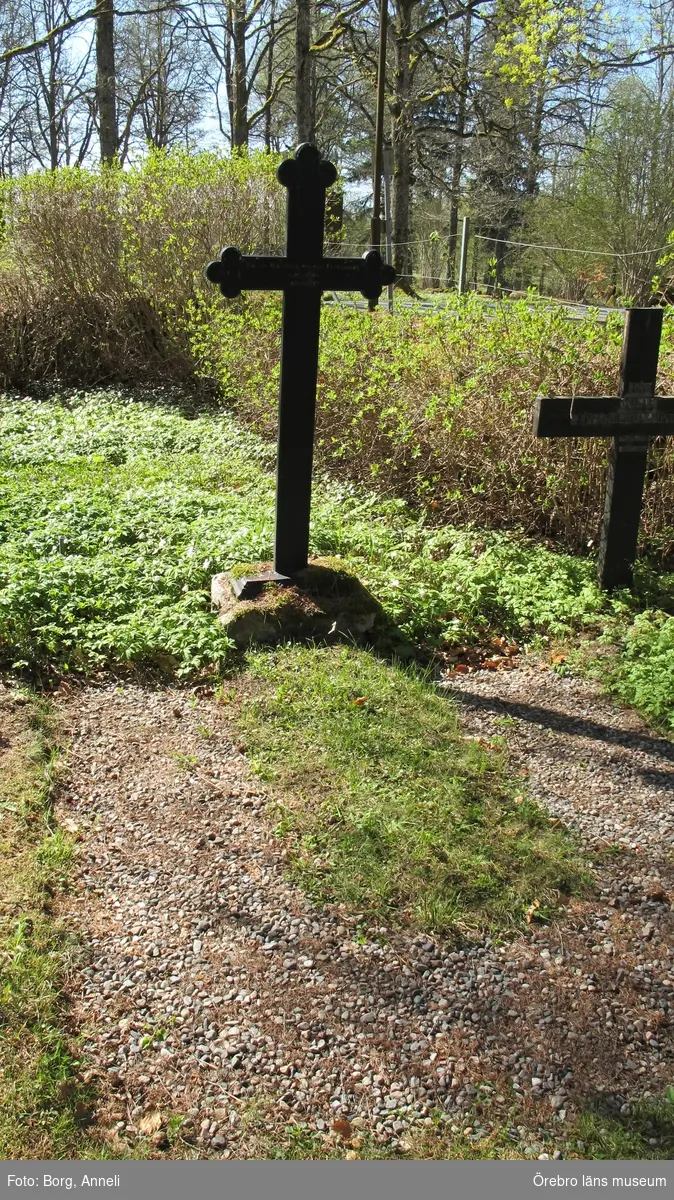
{"points": [[534, 158], [270, 78], [304, 85], [457, 162], [52, 104], [105, 82], [240, 121], [401, 130]]}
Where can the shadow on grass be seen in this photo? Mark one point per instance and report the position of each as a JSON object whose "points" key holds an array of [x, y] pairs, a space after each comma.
{"points": [[191, 398], [612, 1129]]}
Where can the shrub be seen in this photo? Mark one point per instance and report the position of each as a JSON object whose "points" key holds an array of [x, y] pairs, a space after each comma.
{"points": [[437, 409], [99, 266]]}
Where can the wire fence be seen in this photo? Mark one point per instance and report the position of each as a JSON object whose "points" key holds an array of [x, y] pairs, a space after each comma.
{"points": [[572, 310], [481, 237], [497, 266], [421, 243], [524, 269]]}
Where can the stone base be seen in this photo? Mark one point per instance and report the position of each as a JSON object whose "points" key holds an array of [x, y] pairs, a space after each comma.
{"points": [[324, 603]]}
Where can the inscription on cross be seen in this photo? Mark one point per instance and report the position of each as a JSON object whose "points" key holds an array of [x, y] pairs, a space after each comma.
{"points": [[632, 418], [302, 275]]}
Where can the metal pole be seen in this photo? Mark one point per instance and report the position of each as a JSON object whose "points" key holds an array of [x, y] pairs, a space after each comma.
{"points": [[464, 255], [375, 224], [387, 164]]}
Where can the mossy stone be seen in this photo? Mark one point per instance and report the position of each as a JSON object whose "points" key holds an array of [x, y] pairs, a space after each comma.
{"points": [[325, 602]]}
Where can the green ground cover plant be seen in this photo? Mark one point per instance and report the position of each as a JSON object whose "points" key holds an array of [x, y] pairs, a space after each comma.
{"points": [[101, 280], [510, 1134], [116, 511]]}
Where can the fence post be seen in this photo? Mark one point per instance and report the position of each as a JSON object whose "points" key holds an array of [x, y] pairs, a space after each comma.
{"points": [[387, 163], [464, 256]]}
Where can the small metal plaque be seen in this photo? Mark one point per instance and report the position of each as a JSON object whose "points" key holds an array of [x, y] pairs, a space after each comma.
{"points": [[250, 586], [637, 410], [624, 414]]}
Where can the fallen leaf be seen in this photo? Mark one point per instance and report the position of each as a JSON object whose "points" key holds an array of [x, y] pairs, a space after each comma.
{"points": [[343, 1128], [361, 700], [531, 911], [150, 1122], [460, 669], [558, 658], [71, 825], [351, 1155]]}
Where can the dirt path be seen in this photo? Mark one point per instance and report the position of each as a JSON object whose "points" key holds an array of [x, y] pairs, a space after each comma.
{"points": [[214, 988]]}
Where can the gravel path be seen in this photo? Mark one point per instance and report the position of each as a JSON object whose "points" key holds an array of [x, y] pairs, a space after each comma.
{"points": [[214, 989], [592, 764]]}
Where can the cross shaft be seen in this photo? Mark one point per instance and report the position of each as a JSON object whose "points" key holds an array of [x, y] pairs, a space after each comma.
{"points": [[302, 275]]}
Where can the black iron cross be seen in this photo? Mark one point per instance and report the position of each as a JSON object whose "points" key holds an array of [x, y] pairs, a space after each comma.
{"points": [[302, 276], [631, 419]]}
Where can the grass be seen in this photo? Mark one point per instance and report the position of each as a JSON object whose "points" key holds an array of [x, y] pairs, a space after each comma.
{"points": [[268, 1136], [646, 1133], [489, 1131], [45, 1103], [116, 510], [390, 810]]}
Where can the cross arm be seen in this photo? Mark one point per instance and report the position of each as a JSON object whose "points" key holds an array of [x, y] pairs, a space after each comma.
{"points": [[235, 272], [604, 416]]}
